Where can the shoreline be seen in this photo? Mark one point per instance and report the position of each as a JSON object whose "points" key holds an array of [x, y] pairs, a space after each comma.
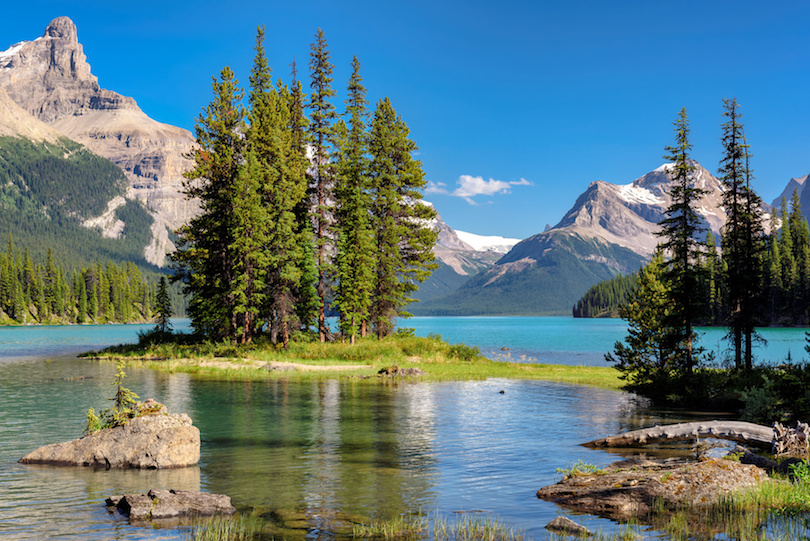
{"points": [[438, 361]]}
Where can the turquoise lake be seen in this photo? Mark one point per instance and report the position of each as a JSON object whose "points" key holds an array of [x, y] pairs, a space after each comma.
{"points": [[328, 448]]}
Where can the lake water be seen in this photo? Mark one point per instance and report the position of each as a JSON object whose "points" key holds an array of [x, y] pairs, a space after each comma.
{"points": [[323, 449]]}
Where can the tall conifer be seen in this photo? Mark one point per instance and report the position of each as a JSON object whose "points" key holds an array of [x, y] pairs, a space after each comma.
{"points": [[404, 238], [743, 237], [680, 231], [321, 127], [355, 242]]}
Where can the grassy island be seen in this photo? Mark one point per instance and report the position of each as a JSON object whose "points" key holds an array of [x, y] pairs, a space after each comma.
{"points": [[437, 359]]}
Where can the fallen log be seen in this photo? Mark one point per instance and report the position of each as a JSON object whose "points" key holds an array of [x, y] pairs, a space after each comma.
{"points": [[739, 431]]}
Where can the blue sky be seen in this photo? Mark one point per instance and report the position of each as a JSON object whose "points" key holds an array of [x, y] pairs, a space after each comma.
{"points": [[516, 105]]}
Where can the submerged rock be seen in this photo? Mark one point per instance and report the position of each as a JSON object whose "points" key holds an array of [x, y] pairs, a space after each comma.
{"points": [[566, 526], [628, 489], [171, 504], [393, 371], [147, 442]]}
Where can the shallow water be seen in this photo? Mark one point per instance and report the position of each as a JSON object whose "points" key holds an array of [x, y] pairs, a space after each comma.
{"points": [[317, 449]]}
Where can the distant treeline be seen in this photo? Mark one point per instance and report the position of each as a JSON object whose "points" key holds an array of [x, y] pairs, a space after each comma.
{"points": [[604, 298], [46, 293], [784, 296]]}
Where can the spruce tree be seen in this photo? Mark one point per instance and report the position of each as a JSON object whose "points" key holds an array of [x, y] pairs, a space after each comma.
{"points": [[400, 219], [650, 359], [355, 240], [743, 237], [205, 255], [321, 127], [163, 307], [680, 231]]}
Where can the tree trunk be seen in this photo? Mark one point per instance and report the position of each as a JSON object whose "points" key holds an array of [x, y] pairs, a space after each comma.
{"points": [[739, 431]]}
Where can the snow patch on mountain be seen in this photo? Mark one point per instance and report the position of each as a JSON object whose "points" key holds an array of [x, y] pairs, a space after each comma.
{"points": [[488, 243], [636, 194]]}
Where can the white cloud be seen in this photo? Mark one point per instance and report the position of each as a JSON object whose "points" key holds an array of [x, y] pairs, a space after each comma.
{"points": [[436, 187], [470, 186]]}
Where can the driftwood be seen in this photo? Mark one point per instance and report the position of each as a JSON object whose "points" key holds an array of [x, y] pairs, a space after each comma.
{"points": [[791, 441], [739, 431]]}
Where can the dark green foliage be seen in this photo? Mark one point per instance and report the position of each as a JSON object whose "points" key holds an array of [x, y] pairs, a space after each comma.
{"points": [[322, 139], [743, 238], [651, 357], [56, 177], [680, 232], [355, 243], [206, 251], [33, 292], [605, 298], [163, 307], [404, 251]]}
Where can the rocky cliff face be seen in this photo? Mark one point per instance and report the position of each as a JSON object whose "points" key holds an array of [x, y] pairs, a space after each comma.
{"points": [[51, 79], [628, 214]]}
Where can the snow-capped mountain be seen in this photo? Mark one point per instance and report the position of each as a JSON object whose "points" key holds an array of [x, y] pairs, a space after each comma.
{"points": [[610, 229], [487, 243]]}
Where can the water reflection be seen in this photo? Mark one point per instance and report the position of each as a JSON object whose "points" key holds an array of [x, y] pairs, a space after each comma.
{"points": [[316, 454]]}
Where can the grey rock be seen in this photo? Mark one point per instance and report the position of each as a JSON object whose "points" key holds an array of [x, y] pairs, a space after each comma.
{"points": [[566, 526], [51, 79], [148, 442], [171, 504]]}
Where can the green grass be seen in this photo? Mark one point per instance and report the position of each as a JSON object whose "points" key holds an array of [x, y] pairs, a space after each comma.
{"points": [[439, 360], [400, 527], [235, 528]]}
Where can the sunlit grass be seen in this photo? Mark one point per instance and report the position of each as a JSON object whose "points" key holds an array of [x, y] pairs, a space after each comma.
{"points": [[400, 527], [234, 528], [439, 360]]}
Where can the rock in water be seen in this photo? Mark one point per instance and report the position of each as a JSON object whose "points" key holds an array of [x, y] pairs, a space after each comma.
{"points": [[171, 504], [566, 526], [147, 442]]}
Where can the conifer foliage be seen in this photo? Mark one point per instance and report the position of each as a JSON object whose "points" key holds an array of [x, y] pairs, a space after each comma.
{"points": [[281, 236]]}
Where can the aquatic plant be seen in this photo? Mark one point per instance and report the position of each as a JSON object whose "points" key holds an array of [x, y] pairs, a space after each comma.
{"points": [[234, 528]]}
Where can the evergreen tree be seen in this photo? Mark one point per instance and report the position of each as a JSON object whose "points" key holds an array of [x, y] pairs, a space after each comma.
{"points": [[355, 242], [651, 359], [206, 244], [321, 127], [404, 240], [307, 300], [680, 230], [283, 187], [163, 307], [743, 237]]}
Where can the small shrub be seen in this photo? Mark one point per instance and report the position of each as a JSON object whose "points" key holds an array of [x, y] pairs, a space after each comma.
{"points": [[463, 352], [580, 468]]}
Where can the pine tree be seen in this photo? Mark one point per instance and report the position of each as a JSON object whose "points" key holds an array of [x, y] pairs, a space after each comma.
{"points": [[205, 255], [283, 187], [163, 307], [306, 294], [743, 237], [404, 240], [650, 360], [355, 240], [680, 231], [321, 127]]}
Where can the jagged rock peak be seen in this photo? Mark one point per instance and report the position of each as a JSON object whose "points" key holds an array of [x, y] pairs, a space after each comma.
{"points": [[62, 27]]}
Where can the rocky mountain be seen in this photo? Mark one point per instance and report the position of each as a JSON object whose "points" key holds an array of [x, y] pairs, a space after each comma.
{"points": [[458, 261], [609, 230], [51, 79], [800, 185]]}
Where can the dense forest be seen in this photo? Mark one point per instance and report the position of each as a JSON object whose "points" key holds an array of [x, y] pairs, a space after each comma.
{"points": [[301, 213], [44, 292], [605, 298], [48, 189]]}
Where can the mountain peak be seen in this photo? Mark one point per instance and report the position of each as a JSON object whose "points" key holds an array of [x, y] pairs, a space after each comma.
{"points": [[62, 27]]}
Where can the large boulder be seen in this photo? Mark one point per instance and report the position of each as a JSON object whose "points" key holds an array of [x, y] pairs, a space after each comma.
{"points": [[148, 442], [160, 505]]}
